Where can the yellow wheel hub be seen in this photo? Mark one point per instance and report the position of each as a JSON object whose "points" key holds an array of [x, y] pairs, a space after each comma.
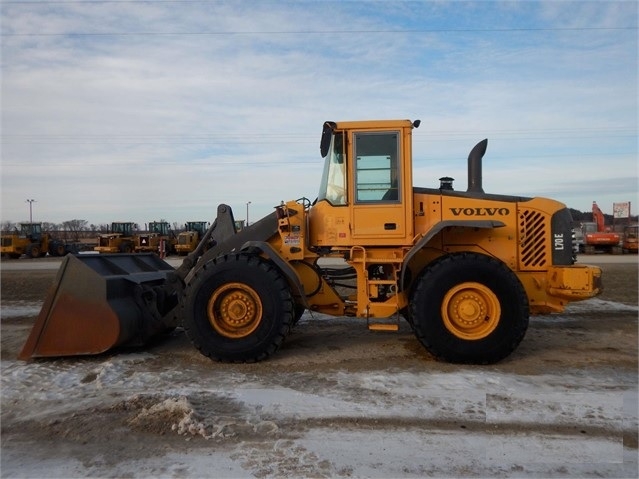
{"points": [[235, 310], [471, 311]]}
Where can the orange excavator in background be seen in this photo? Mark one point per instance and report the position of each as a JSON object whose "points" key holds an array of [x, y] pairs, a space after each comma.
{"points": [[596, 237]]}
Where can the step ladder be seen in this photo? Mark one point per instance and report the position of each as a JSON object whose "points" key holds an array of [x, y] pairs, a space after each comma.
{"points": [[391, 323]]}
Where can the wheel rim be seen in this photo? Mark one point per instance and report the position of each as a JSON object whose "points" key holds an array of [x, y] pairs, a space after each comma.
{"points": [[471, 311], [235, 310]]}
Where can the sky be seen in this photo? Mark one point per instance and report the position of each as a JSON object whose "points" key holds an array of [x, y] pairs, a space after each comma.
{"points": [[125, 110]]}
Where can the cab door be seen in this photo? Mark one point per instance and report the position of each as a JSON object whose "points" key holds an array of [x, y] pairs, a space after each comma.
{"points": [[379, 206]]}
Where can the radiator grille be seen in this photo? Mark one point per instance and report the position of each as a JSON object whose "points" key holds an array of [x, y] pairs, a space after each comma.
{"points": [[533, 231]]}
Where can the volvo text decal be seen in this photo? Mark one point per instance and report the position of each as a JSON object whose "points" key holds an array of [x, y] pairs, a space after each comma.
{"points": [[480, 211]]}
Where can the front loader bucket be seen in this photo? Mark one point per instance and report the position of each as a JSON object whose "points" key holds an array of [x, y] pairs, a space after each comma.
{"points": [[99, 302]]}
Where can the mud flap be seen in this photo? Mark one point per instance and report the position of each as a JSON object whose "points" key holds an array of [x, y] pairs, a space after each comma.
{"points": [[99, 302]]}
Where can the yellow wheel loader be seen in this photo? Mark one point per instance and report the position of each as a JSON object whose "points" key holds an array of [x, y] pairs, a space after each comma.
{"points": [[188, 239], [464, 268], [31, 241], [149, 241], [119, 239], [630, 239]]}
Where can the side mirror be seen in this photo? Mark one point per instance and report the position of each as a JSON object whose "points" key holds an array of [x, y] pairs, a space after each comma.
{"points": [[327, 134]]}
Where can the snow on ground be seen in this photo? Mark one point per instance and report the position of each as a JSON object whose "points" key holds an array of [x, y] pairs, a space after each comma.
{"points": [[594, 305], [460, 421], [19, 309]]}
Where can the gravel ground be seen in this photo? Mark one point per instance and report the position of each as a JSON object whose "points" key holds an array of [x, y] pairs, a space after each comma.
{"points": [[335, 401]]}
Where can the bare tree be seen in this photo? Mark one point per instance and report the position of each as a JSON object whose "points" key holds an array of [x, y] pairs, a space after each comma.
{"points": [[8, 226], [48, 227], [75, 227]]}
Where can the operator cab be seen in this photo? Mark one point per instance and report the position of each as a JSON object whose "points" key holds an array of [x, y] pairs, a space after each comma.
{"points": [[32, 231], [366, 189]]}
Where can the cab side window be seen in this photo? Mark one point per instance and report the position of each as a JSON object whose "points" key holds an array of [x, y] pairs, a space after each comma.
{"points": [[377, 167]]}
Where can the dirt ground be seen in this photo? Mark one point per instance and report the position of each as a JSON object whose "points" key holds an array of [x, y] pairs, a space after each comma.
{"points": [[93, 424]]}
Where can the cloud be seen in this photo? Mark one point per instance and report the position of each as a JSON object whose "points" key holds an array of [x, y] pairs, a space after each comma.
{"points": [[129, 110]]}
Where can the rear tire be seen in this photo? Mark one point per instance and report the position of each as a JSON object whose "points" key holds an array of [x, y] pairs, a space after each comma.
{"points": [[238, 308], [469, 308], [56, 248]]}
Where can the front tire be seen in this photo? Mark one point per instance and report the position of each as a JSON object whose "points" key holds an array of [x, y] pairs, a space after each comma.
{"points": [[469, 308], [33, 250], [238, 308]]}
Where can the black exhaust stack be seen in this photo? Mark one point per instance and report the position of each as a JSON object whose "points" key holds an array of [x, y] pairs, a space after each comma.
{"points": [[474, 167]]}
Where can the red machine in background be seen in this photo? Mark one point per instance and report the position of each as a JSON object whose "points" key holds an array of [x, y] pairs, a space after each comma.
{"points": [[596, 237]]}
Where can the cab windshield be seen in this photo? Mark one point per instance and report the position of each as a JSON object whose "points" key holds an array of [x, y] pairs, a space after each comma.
{"points": [[123, 228], [333, 185], [30, 229]]}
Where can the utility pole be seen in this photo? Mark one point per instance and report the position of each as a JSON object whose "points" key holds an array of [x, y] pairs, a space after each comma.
{"points": [[31, 201], [247, 211]]}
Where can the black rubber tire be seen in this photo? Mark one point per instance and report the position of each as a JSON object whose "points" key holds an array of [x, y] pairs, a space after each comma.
{"points": [[275, 300], [56, 248], [447, 274], [406, 314], [126, 247], [297, 313], [33, 250]]}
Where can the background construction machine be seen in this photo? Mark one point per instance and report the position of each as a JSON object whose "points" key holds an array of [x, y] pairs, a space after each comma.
{"points": [[188, 239], [596, 238], [150, 241], [31, 241], [119, 239], [630, 239], [464, 268]]}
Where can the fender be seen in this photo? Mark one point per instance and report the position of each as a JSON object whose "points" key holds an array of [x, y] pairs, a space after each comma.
{"points": [[487, 224], [286, 269], [224, 238]]}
